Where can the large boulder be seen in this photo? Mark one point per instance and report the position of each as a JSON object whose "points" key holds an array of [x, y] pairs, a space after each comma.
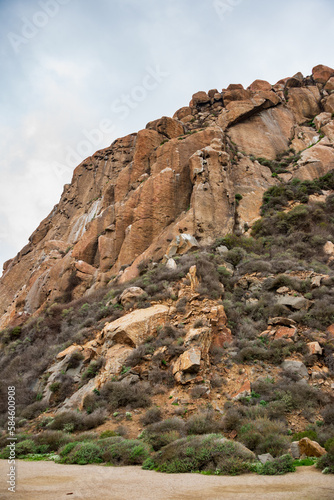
{"points": [[310, 448], [187, 365], [135, 327], [322, 73]]}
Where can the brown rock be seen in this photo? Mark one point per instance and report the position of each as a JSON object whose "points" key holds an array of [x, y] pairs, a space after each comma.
{"points": [[244, 391], [181, 244], [329, 104], [200, 98], [330, 84], [69, 350], [166, 126], [310, 448], [304, 103], [187, 365], [182, 112], [259, 85], [322, 73]]}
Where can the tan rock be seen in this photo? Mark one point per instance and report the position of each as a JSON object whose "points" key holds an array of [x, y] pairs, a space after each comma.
{"points": [[330, 84], [304, 103], [321, 73], [329, 248], [182, 113], [314, 348], [166, 126], [115, 357], [192, 276], [187, 365], [135, 327], [131, 295], [310, 448], [181, 244], [329, 104], [85, 268], [243, 391], [321, 120], [69, 350]]}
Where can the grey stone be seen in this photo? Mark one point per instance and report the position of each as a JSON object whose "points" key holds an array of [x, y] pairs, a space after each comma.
{"points": [[266, 457], [295, 449], [295, 367], [294, 302], [222, 250]]}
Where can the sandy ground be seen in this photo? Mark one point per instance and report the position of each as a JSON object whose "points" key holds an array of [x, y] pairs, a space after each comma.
{"points": [[50, 481]]}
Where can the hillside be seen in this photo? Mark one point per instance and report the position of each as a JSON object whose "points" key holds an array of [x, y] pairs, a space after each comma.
{"points": [[184, 283]]}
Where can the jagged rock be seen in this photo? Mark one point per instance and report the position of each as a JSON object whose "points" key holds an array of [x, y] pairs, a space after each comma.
{"points": [[310, 448], [187, 365], [131, 295], [243, 392], [167, 126], [329, 104], [115, 357], [135, 327], [294, 302], [171, 264], [69, 350], [329, 248], [181, 244], [321, 120], [314, 348], [192, 276], [295, 367]]}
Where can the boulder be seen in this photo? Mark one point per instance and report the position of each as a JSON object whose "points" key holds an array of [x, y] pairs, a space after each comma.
{"points": [[199, 98], [135, 327], [171, 264], [294, 448], [259, 85], [321, 73], [187, 365], [131, 295], [266, 457], [296, 367], [310, 448], [330, 84], [167, 126], [329, 104], [293, 302], [329, 248]]}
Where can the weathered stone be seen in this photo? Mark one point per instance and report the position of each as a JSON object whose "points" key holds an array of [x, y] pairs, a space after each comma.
{"points": [[321, 120], [259, 85], [294, 302], [295, 449], [135, 327], [329, 248], [187, 365], [69, 350], [310, 448], [181, 244], [295, 367], [329, 104], [266, 457], [131, 295], [166, 126], [314, 348], [171, 264], [192, 276], [330, 84], [243, 392]]}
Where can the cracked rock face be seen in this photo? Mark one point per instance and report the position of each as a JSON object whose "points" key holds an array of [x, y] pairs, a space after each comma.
{"points": [[195, 174]]}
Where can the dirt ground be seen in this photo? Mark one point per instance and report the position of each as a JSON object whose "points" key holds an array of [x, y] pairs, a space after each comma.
{"points": [[50, 481]]}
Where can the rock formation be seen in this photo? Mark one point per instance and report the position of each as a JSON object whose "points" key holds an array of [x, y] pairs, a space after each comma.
{"points": [[201, 173]]}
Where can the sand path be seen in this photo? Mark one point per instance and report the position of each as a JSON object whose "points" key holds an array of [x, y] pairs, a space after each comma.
{"points": [[50, 481]]}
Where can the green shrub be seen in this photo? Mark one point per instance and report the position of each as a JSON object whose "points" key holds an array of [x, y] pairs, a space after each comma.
{"points": [[162, 433], [265, 436], [82, 453], [210, 453], [326, 462], [203, 423], [278, 466], [124, 452], [25, 447], [151, 416]]}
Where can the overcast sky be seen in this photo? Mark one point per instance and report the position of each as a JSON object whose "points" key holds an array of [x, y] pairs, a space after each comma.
{"points": [[77, 74]]}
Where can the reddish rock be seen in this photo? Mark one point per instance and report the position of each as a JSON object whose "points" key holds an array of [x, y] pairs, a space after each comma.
{"points": [[321, 73], [285, 332], [314, 348], [330, 84], [244, 391]]}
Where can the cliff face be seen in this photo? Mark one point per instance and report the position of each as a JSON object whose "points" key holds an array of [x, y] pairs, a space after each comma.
{"points": [[202, 172]]}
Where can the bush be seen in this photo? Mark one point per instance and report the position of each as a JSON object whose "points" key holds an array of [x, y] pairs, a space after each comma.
{"points": [[52, 440], [74, 421], [151, 416], [81, 453], [264, 436], [210, 453], [203, 423], [121, 394], [162, 433], [326, 462], [25, 447], [123, 451], [278, 466]]}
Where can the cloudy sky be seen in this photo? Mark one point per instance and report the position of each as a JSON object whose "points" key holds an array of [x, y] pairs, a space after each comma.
{"points": [[77, 74]]}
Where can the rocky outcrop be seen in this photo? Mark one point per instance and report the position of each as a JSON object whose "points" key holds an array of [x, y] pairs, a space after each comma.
{"points": [[193, 177]]}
